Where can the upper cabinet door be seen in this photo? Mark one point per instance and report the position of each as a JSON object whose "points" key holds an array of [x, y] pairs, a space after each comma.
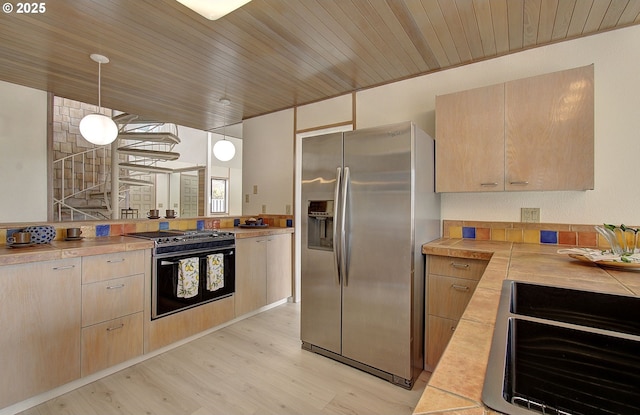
{"points": [[550, 131], [470, 140]]}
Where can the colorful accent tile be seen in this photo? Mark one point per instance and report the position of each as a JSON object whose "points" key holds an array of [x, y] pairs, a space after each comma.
{"points": [[163, 226], [514, 235], [455, 232], [498, 234], [567, 238], [587, 239], [483, 234], [468, 232], [548, 237], [130, 228], [531, 236], [103, 230], [117, 230], [200, 225]]}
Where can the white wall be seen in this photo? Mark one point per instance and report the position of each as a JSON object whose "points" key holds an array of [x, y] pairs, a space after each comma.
{"points": [[617, 130], [268, 163], [23, 154], [617, 125], [231, 170]]}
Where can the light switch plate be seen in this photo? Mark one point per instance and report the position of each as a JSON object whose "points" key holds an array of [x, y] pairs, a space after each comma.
{"points": [[530, 215]]}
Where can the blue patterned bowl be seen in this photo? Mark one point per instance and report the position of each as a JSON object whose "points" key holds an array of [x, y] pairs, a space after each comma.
{"points": [[41, 234]]}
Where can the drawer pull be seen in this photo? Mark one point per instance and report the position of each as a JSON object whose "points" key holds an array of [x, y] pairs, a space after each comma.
{"points": [[115, 261], [459, 287], [116, 327], [521, 183], [114, 287], [459, 265], [491, 184], [64, 267]]}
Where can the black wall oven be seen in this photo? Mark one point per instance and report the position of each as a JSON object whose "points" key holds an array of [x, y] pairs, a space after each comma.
{"points": [[190, 269]]}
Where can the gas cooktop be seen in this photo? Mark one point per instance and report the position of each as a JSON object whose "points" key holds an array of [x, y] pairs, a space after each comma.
{"points": [[177, 237]]}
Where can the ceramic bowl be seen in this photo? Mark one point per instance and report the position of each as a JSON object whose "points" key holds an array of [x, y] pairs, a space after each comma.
{"points": [[41, 234]]}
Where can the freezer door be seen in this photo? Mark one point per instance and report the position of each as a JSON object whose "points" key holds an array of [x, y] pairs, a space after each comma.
{"points": [[377, 293], [320, 286]]}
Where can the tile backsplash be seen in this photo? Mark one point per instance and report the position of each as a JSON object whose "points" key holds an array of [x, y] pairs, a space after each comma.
{"points": [[123, 227], [533, 233]]}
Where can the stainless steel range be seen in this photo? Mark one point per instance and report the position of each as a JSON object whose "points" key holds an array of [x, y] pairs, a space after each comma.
{"points": [[189, 268]]}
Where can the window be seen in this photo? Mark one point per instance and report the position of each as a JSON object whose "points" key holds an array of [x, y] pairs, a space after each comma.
{"points": [[219, 195]]}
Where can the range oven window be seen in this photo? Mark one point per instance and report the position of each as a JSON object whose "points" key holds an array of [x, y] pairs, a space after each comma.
{"points": [[187, 279]]}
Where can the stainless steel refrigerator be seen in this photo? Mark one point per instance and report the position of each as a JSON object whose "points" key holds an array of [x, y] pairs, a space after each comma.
{"points": [[368, 205]]}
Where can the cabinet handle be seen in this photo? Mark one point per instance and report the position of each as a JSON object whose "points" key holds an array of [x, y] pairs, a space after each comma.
{"points": [[115, 261], [523, 183], [459, 287], [489, 184], [63, 267], [453, 328], [459, 265], [116, 327], [113, 287]]}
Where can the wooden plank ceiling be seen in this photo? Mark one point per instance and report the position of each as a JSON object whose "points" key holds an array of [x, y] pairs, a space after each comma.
{"points": [[171, 64]]}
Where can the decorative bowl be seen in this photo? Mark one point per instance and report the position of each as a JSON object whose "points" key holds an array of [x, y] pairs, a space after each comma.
{"points": [[41, 234]]}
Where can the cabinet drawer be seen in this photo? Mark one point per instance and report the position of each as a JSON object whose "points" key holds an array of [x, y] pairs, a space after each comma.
{"points": [[449, 296], [111, 342], [105, 300], [440, 332], [457, 267], [107, 266]]}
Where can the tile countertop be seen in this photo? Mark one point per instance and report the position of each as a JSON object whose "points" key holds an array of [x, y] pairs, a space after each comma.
{"points": [[455, 387], [60, 249]]}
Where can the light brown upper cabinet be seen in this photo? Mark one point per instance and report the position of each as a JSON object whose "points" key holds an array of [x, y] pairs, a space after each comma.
{"points": [[530, 134]]}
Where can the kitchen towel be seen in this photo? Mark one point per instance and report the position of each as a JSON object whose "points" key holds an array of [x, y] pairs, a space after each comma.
{"points": [[188, 270], [215, 272]]}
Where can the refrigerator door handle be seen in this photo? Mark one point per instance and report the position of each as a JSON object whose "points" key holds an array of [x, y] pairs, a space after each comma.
{"points": [[336, 243], [343, 227]]}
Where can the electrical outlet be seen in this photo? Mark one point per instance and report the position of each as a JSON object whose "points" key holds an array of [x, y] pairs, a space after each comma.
{"points": [[531, 215], [160, 205], [288, 209], [264, 208], [246, 198], [175, 205], [255, 189]]}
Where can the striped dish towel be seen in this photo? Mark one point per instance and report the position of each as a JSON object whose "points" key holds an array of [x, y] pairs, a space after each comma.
{"points": [[188, 270], [215, 272]]}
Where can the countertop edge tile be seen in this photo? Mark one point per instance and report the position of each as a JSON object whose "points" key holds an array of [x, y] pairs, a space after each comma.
{"points": [[71, 249], [242, 233], [461, 370]]}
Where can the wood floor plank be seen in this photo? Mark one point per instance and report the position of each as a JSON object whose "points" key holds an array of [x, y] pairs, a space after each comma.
{"points": [[255, 366]]}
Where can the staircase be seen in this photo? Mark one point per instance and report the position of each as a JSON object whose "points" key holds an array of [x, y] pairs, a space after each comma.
{"points": [[85, 191]]}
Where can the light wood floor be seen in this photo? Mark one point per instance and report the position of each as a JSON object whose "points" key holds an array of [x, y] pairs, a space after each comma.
{"points": [[255, 366]]}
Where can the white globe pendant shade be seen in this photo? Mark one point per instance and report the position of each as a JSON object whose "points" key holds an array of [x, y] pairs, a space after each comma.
{"points": [[98, 129], [224, 150]]}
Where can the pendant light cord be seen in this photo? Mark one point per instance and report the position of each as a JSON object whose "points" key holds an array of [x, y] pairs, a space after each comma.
{"points": [[99, 87]]}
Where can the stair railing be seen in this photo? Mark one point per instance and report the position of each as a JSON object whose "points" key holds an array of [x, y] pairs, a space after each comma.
{"points": [[81, 181]]}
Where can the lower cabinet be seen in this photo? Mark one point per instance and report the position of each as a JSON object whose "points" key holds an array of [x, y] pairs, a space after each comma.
{"points": [[450, 284], [263, 271], [112, 309], [112, 342], [40, 340]]}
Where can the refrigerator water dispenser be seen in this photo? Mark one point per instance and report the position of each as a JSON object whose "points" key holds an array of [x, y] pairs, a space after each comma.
{"points": [[320, 225]]}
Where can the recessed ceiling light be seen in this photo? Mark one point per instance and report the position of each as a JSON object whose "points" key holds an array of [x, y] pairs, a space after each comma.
{"points": [[213, 9]]}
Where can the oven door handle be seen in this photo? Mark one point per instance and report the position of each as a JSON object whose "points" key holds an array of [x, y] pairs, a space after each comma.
{"points": [[167, 263]]}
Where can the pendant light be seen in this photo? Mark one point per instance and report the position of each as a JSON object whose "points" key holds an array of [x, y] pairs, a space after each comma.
{"points": [[97, 128], [224, 150]]}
